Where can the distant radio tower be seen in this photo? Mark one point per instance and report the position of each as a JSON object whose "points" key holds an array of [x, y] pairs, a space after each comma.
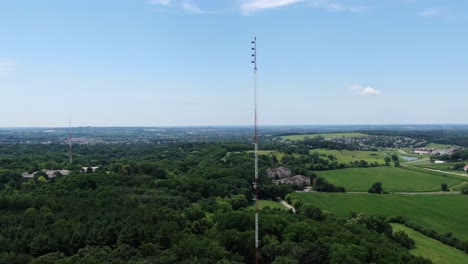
{"points": [[70, 145], [255, 184]]}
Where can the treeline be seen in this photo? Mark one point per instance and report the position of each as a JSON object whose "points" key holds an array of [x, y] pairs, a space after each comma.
{"points": [[184, 203], [318, 162], [457, 137], [458, 156], [448, 238], [319, 184]]}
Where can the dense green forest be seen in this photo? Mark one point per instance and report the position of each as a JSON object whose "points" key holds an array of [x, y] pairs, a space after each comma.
{"points": [[174, 203]]}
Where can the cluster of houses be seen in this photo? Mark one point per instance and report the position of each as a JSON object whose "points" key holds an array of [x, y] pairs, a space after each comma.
{"points": [[50, 173], [53, 173], [282, 175], [425, 151]]}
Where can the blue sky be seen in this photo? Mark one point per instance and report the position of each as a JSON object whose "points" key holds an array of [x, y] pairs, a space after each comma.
{"points": [[187, 62]]}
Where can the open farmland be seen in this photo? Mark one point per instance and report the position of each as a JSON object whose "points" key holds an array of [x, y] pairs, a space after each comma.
{"points": [[443, 166], [392, 179], [326, 136], [347, 156], [442, 213], [430, 248]]}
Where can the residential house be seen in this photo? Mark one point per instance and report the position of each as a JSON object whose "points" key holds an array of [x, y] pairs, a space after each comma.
{"points": [[298, 180], [278, 173]]}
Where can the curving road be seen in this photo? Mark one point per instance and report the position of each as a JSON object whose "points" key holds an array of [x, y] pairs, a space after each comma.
{"points": [[447, 172]]}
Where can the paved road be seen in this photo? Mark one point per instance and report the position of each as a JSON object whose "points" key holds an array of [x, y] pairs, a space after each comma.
{"points": [[448, 172], [283, 202]]}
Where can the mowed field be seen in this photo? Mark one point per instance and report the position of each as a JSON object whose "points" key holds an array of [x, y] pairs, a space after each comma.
{"points": [[442, 213], [443, 167], [326, 136], [432, 249], [392, 179], [347, 156], [279, 155], [268, 203]]}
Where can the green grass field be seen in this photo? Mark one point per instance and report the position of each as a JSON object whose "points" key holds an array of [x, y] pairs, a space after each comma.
{"points": [[438, 146], [347, 156], [392, 179], [279, 155], [442, 213], [444, 166], [326, 136], [432, 249], [459, 186], [272, 204]]}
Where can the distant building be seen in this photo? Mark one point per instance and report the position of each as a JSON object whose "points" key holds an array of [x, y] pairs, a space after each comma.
{"points": [[28, 175], [422, 151], [440, 162], [296, 180], [466, 168], [278, 173], [448, 151], [50, 173], [86, 168]]}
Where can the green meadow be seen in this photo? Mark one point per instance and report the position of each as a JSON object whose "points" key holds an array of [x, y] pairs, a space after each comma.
{"points": [[326, 136], [392, 179], [432, 249], [268, 203], [347, 156], [438, 146], [279, 155], [442, 213], [443, 166]]}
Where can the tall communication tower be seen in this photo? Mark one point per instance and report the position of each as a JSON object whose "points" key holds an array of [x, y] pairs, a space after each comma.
{"points": [[255, 184], [70, 144]]}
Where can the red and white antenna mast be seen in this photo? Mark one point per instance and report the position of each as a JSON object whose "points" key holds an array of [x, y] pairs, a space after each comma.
{"points": [[70, 144], [255, 184]]}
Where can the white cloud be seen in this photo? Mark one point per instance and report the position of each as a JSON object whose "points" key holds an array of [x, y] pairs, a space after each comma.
{"points": [[335, 6], [248, 7], [370, 91], [364, 91], [436, 12], [160, 2], [178, 6], [256, 5], [191, 7]]}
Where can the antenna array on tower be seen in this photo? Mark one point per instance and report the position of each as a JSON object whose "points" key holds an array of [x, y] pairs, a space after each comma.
{"points": [[255, 184], [70, 144]]}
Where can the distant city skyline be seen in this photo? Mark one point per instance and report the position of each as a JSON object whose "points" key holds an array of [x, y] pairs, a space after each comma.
{"points": [[165, 63]]}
